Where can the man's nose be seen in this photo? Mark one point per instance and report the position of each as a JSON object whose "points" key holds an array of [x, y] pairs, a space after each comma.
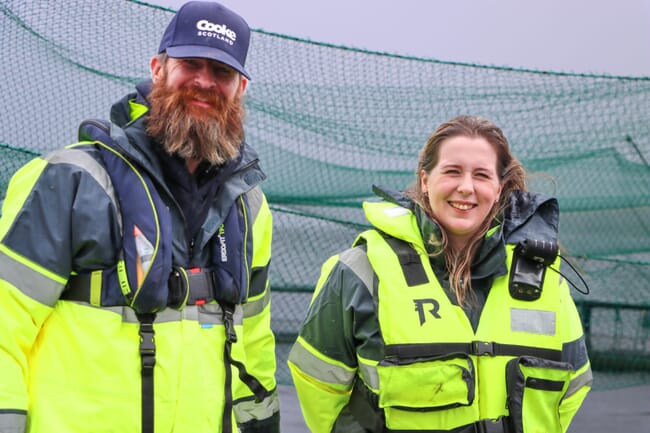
{"points": [[204, 78]]}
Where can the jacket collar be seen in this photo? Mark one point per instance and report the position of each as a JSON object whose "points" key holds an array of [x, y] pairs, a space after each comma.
{"points": [[490, 259]]}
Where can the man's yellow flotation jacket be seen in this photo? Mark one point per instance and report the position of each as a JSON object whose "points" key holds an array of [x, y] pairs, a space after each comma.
{"points": [[111, 318], [384, 347]]}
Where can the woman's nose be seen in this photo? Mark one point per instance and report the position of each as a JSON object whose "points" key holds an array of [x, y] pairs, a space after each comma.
{"points": [[466, 185]]}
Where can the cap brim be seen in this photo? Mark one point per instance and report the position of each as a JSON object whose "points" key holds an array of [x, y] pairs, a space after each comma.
{"points": [[202, 52]]}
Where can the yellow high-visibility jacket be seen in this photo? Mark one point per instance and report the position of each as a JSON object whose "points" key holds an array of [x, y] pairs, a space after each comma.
{"points": [[384, 346], [74, 365]]}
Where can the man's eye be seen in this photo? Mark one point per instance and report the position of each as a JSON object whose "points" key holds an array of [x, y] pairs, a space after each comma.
{"points": [[222, 72], [193, 64]]}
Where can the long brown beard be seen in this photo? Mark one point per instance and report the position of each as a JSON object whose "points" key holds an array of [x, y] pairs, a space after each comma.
{"points": [[212, 134]]}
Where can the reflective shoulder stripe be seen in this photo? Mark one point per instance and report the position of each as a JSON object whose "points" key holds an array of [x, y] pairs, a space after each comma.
{"points": [[255, 199], [328, 371], [357, 260], [80, 158]]}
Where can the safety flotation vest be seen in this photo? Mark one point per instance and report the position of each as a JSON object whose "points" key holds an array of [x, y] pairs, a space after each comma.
{"points": [[145, 278], [437, 374]]}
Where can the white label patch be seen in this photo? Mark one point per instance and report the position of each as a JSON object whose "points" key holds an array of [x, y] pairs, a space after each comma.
{"points": [[532, 321], [395, 211]]}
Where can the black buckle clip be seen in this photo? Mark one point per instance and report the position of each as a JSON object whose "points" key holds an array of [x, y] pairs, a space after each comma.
{"points": [[481, 348], [147, 344], [229, 322]]}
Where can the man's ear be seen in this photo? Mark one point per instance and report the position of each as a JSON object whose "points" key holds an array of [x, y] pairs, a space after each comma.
{"points": [[244, 84], [156, 67]]}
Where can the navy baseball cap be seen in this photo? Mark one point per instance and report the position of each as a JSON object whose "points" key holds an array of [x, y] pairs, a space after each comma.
{"points": [[208, 30]]}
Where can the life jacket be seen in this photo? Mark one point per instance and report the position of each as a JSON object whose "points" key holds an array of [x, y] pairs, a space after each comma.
{"points": [[144, 277], [437, 374]]}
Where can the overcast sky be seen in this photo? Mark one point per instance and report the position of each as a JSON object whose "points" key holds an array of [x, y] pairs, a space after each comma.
{"points": [[585, 36]]}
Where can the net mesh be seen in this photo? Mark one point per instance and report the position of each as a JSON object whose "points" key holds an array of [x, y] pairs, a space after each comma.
{"points": [[330, 121]]}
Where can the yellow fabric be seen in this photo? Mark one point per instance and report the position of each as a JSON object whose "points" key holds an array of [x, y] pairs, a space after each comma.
{"points": [[440, 382], [18, 189], [332, 399], [91, 356], [452, 326]]}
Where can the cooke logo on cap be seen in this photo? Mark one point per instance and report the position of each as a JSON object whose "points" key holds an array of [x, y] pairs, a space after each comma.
{"points": [[219, 31]]}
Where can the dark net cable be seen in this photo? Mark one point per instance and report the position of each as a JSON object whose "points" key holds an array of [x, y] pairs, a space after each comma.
{"points": [[330, 121]]}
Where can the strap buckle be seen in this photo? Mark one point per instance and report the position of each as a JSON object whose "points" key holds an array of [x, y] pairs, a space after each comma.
{"points": [[481, 348], [229, 322], [147, 343], [193, 286]]}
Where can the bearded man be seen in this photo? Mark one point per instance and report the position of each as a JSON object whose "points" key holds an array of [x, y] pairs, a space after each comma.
{"points": [[134, 290]]}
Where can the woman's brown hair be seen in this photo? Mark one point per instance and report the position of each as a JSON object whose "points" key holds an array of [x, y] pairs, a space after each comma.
{"points": [[512, 177]]}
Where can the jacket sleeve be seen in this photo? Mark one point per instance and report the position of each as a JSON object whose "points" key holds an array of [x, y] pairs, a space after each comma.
{"points": [[37, 252], [574, 351], [259, 343], [323, 360]]}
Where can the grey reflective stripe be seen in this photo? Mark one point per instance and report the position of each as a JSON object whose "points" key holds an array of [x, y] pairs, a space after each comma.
{"points": [[89, 164], [205, 314], [357, 260], [369, 375], [30, 282], [12, 422], [254, 198], [575, 353], [532, 321], [253, 308], [248, 410], [578, 382], [318, 368]]}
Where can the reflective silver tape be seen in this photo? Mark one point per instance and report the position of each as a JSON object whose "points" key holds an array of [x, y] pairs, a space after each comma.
{"points": [[532, 321], [30, 282], [248, 410], [357, 260], [319, 369]]}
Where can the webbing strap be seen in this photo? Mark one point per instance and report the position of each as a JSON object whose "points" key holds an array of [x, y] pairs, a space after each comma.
{"points": [[253, 384], [480, 348], [148, 362], [410, 262], [226, 419]]}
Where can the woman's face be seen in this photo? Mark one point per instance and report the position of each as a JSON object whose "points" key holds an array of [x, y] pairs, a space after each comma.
{"points": [[462, 187]]}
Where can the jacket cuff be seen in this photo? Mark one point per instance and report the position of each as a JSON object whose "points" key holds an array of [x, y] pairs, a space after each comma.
{"points": [[267, 425]]}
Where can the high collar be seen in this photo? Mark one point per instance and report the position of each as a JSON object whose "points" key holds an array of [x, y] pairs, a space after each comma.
{"points": [[488, 261]]}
